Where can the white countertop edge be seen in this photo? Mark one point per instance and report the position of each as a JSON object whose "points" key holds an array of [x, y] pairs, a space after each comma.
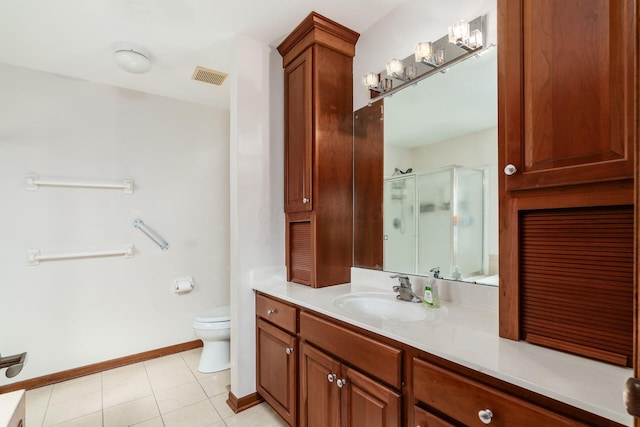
{"points": [[580, 373]]}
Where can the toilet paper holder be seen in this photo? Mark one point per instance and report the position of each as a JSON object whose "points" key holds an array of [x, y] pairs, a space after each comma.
{"points": [[14, 364], [183, 285]]}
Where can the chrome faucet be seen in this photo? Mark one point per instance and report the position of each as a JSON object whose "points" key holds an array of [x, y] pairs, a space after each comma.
{"points": [[405, 292]]}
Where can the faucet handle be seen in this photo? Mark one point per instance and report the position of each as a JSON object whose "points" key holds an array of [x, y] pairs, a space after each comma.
{"points": [[404, 280]]}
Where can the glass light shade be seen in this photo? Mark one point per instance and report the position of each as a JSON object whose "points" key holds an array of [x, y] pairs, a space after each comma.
{"points": [[394, 67], [459, 32], [132, 58], [475, 39], [423, 52], [411, 71], [370, 80]]}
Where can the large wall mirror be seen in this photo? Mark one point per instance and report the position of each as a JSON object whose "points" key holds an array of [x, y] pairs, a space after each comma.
{"points": [[425, 176]]}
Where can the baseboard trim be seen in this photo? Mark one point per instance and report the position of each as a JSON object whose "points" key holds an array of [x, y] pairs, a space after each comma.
{"points": [[99, 367], [240, 404]]}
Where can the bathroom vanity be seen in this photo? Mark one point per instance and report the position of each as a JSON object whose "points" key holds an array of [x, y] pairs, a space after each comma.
{"points": [[319, 364], [12, 409]]}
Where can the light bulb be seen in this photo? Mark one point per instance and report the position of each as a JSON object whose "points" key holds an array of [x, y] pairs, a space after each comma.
{"points": [[370, 80], [459, 32], [394, 67], [424, 52]]}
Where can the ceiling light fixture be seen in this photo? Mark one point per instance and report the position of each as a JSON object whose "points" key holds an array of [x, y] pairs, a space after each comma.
{"points": [[132, 58]]}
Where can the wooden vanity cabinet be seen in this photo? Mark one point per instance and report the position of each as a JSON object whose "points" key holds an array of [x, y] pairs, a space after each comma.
{"points": [[567, 108], [276, 359], [475, 404], [347, 376], [332, 393], [318, 140]]}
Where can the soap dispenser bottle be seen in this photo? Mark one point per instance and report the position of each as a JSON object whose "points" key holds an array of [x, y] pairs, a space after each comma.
{"points": [[431, 297]]}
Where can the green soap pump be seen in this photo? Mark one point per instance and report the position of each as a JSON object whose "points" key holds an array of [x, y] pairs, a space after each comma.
{"points": [[431, 297]]}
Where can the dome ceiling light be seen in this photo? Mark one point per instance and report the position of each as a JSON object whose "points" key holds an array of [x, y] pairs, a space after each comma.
{"points": [[132, 58]]}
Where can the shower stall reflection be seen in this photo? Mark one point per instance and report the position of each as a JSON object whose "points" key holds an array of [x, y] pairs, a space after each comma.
{"points": [[435, 219]]}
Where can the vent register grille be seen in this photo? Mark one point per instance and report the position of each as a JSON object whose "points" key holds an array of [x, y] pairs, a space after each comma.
{"points": [[577, 281], [208, 76]]}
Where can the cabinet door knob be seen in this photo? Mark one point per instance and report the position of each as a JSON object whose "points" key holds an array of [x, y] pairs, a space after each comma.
{"points": [[341, 382], [305, 200], [510, 169], [289, 350], [485, 415], [331, 377], [271, 311]]}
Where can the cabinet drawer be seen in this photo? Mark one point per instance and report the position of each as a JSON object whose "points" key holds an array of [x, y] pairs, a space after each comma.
{"points": [[276, 312], [376, 359], [462, 399], [422, 418]]}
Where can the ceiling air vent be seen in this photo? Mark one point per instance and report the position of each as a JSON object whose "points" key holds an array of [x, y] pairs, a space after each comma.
{"points": [[209, 76]]}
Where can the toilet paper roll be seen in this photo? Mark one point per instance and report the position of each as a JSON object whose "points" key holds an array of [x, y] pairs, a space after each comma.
{"points": [[183, 285]]}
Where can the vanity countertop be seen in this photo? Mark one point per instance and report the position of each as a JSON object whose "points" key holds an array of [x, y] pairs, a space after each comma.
{"points": [[468, 336]]}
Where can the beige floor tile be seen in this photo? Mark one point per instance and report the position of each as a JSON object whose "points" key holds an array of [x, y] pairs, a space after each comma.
{"points": [[35, 416], [201, 414], [73, 408], [179, 397], [91, 420], [126, 392], [165, 364], [164, 380], [132, 412], [259, 416], [192, 359], [75, 388], [123, 375], [38, 397], [220, 403], [216, 383], [154, 422]]}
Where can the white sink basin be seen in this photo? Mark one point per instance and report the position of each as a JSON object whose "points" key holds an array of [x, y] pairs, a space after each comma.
{"points": [[383, 305]]}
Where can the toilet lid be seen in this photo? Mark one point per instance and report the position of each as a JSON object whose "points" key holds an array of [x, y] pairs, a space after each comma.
{"points": [[218, 314]]}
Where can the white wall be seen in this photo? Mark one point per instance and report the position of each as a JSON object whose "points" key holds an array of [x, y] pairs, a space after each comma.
{"points": [[257, 216], [67, 314]]}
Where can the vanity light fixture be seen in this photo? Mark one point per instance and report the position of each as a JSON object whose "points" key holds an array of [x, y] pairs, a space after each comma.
{"points": [[460, 35], [371, 80], [429, 58], [395, 68], [459, 32], [425, 54], [132, 58]]}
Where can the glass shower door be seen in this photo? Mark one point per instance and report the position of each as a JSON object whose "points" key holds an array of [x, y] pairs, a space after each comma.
{"points": [[399, 224]]}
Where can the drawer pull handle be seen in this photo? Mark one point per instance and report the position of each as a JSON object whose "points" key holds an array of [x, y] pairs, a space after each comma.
{"points": [[331, 377], [341, 383], [305, 200], [289, 350], [485, 415], [510, 169], [272, 311]]}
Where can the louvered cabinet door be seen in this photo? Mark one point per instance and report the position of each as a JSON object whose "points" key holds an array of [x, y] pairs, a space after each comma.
{"points": [[576, 281], [300, 248]]}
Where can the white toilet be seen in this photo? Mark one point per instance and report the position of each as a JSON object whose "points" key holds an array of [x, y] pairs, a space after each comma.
{"points": [[213, 328]]}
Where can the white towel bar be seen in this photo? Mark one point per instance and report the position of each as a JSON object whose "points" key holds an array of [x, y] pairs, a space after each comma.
{"points": [[34, 182], [34, 257]]}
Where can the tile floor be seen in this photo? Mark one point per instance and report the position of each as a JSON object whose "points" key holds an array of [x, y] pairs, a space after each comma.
{"points": [[168, 391]]}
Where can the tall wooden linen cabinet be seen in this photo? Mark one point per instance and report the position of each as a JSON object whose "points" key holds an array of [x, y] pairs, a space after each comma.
{"points": [[318, 138], [567, 74]]}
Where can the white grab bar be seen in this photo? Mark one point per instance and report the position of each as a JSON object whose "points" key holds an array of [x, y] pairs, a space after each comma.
{"points": [[34, 182], [151, 234], [34, 257]]}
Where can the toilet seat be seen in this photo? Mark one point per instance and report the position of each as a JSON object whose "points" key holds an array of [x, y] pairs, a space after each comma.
{"points": [[218, 314]]}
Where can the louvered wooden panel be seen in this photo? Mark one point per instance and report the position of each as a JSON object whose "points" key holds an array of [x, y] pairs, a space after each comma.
{"points": [[300, 252], [576, 271]]}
